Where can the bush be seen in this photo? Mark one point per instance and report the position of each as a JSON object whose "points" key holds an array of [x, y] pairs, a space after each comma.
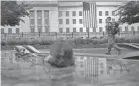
{"points": [[46, 42], [20, 42], [30, 42], [102, 41], [78, 41], [3, 43], [62, 54], [11, 42]]}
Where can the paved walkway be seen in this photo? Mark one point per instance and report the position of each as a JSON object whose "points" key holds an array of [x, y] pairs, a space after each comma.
{"points": [[97, 52]]}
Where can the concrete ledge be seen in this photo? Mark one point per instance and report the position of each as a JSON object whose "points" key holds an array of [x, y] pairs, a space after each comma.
{"points": [[96, 55], [129, 45], [130, 55], [89, 54]]}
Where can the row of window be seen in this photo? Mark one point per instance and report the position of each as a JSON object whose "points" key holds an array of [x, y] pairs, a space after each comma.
{"points": [[39, 14], [107, 13], [126, 29], [39, 22], [73, 21], [100, 29], [68, 30], [39, 17], [74, 30], [17, 30], [61, 29], [68, 14], [32, 29], [100, 20], [132, 28]]}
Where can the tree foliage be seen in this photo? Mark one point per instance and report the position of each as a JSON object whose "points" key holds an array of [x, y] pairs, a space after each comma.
{"points": [[11, 13], [129, 12]]}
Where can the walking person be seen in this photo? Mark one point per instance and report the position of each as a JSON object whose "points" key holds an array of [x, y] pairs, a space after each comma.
{"points": [[112, 29]]}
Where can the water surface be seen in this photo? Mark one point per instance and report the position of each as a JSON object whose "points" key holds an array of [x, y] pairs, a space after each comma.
{"points": [[89, 71]]}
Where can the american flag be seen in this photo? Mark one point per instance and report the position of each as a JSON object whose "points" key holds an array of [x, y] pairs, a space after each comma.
{"points": [[89, 15]]}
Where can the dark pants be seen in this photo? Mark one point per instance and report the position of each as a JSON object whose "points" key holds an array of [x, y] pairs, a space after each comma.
{"points": [[112, 44]]}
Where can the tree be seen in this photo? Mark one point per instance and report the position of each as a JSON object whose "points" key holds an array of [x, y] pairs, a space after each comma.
{"points": [[11, 13], [129, 12]]}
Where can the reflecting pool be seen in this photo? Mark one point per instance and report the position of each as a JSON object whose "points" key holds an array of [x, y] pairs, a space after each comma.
{"points": [[88, 71]]}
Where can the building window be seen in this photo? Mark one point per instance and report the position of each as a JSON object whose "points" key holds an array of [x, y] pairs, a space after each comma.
{"points": [[100, 20], [17, 30], [2, 30], [39, 17], [105, 20], [39, 22], [132, 28], [81, 65], [106, 13], [126, 28], [94, 29], [60, 21], [80, 13], [46, 14], [32, 21], [101, 71], [74, 29], [81, 73], [67, 21], [81, 29], [67, 30], [67, 13], [101, 65], [9, 30], [74, 21], [113, 13], [80, 21], [39, 14], [87, 29], [46, 18], [47, 29], [46, 22], [32, 29], [81, 57], [100, 29], [32, 14], [74, 13], [39, 29], [113, 20], [100, 13], [61, 30], [60, 13]]}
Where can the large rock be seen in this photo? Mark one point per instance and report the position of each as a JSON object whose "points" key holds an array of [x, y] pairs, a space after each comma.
{"points": [[61, 54]]}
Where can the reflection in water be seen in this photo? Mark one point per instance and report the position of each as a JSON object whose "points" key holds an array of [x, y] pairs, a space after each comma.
{"points": [[90, 68]]}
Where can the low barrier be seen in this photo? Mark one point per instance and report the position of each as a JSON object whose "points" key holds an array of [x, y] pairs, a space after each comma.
{"points": [[55, 35]]}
